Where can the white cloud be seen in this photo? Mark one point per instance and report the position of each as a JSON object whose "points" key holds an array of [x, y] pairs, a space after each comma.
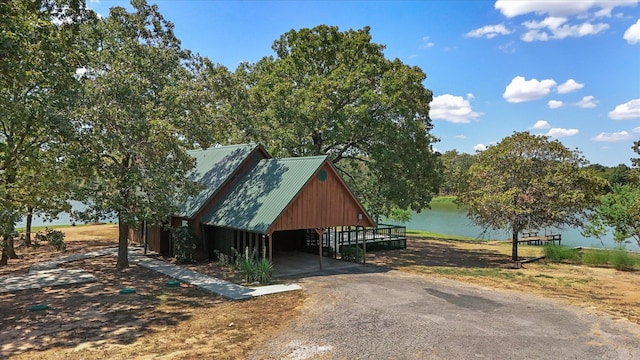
{"points": [[612, 137], [540, 124], [426, 43], [628, 110], [452, 108], [511, 8], [489, 31], [557, 28], [480, 147], [460, 137], [587, 102], [569, 86], [636, 130], [632, 35], [520, 89], [554, 104], [560, 132]]}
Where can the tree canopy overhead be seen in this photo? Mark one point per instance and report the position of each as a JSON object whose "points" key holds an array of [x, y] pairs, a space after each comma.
{"points": [[529, 182], [39, 52], [331, 92], [134, 127]]}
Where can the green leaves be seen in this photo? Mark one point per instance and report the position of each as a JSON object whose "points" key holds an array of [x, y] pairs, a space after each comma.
{"points": [[334, 93], [528, 181]]}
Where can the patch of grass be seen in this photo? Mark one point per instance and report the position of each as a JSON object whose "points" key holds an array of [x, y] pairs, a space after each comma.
{"points": [[35, 229], [558, 253], [619, 259], [622, 260], [432, 235], [478, 272]]}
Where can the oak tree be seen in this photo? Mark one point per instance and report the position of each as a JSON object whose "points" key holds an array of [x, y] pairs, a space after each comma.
{"points": [[138, 117], [40, 51], [529, 182], [331, 92]]}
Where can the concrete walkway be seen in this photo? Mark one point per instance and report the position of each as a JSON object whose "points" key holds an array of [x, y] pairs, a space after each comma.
{"points": [[44, 278], [209, 283], [46, 274]]}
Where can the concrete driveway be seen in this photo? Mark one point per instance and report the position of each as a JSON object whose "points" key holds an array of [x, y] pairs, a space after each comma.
{"points": [[393, 315]]}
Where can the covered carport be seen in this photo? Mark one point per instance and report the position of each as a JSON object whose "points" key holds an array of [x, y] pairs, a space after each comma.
{"points": [[283, 206]]}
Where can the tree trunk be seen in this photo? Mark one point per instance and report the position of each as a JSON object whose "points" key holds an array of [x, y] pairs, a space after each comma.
{"points": [[514, 245], [10, 251], [3, 259], [27, 235], [123, 251]]}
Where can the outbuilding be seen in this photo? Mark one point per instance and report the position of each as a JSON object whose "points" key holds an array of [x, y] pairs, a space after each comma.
{"points": [[252, 201]]}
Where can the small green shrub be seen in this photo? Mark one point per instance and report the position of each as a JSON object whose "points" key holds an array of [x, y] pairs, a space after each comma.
{"points": [[352, 253], [251, 270], [248, 269], [263, 271], [184, 245], [54, 237], [557, 253]]}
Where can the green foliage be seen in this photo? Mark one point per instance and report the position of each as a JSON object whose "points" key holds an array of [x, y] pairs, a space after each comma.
{"points": [[184, 244], [54, 237], [39, 54], [528, 181], [400, 215], [622, 260], [456, 166], [253, 271], [142, 108], [557, 253], [620, 210], [619, 259], [263, 271], [595, 257], [352, 253], [331, 92]]}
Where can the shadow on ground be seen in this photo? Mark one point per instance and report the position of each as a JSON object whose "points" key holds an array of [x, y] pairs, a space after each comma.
{"points": [[440, 253], [95, 314]]}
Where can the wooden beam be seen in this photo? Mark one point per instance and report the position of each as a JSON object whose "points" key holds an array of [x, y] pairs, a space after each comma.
{"points": [[270, 248], [320, 232]]}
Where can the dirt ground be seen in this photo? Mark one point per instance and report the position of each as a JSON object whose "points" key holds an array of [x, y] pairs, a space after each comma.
{"points": [[94, 321]]}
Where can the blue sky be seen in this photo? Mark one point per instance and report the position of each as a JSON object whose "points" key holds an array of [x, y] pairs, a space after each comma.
{"points": [[568, 69]]}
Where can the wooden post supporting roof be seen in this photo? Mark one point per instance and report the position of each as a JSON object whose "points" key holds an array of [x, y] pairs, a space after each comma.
{"points": [[320, 232]]}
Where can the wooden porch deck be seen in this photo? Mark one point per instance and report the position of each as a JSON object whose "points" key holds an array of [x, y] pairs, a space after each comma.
{"points": [[533, 238]]}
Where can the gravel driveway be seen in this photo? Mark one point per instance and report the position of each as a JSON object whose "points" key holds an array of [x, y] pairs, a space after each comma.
{"points": [[394, 315]]}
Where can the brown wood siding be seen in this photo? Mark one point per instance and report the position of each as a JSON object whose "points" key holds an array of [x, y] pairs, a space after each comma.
{"points": [[159, 239], [322, 204]]}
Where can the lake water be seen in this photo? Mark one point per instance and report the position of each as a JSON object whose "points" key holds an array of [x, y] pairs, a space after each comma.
{"points": [[451, 220], [443, 219]]}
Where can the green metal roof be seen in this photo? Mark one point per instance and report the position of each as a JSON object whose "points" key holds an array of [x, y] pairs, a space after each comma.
{"points": [[213, 167], [263, 193]]}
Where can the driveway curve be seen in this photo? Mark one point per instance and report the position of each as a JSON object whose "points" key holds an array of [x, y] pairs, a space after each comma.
{"points": [[394, 315]]}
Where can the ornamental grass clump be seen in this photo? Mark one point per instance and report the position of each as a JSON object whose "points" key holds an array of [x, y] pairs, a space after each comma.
{"points": [[557, 253]]}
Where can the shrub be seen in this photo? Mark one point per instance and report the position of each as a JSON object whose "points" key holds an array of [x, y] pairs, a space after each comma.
{"points": [[263, 270], [352, 253], [251, 270], [184, 245], [54, 237], [557, 253]]}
